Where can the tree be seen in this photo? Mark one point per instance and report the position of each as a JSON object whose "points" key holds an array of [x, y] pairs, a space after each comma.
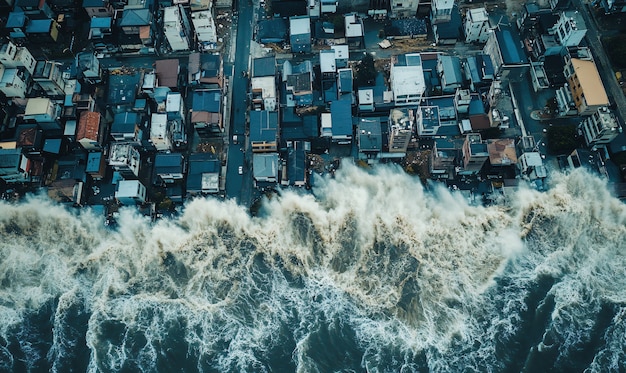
{"points": [[563, 139], [365, 71]]}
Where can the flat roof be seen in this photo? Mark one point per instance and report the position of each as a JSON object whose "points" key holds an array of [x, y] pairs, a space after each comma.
{"points": [[590, 81], [502, 152], [300, 25]]}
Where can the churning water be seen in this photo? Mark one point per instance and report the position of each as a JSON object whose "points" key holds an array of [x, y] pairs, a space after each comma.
{"points": [[371, 273]]}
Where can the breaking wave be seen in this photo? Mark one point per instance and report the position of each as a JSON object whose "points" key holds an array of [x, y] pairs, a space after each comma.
{"points": [[369, 273]]}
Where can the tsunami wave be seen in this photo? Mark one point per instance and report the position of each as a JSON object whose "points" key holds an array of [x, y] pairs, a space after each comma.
{"points": [[370, 272]]}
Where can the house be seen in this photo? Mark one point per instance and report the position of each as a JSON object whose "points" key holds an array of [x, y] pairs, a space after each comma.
{"points": [[206, 112], [168, 168], [403, 9], [159, 134], [502, 152], [263, 131], [49, 78], [125, 159], [12, 82], [407, 79], [272, 31], [175, 28], [298, 81], [167, 72], [12, 56], [296, 174], [127, 127], [448, 33], [441, 11], [505, 49], [264, 66], [477, 27], [265, 167], [300, 34], [570, 29], [210, 72], [88, 68], [204, 27], [531, 166], [263, 84], [100, 27], [449, 70], [366, 99], [122, 91], [435, 120], [475, 153], [369, 138], [96, 165], [443, 159], [401, 126], [34, 9], [44, 112], [600, 128], [478, 71], [176, 119], [90, 133], [345, 80], [15, 26], [136, 26], [338, 123], [584, 88], [98, 8], [203, 175], [42, 31], [354, 30], [13, 166], [130, 192]]}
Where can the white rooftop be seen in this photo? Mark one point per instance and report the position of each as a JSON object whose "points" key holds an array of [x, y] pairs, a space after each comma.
{"points": [[478, 15], [366, 96], [128, 189], [407, 80], [354, 27], [299, 25], [327, 61], [341, 51]]}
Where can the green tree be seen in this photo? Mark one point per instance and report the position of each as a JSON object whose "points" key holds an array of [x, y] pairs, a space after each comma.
{"points": [[365, 71], [563, 139]]}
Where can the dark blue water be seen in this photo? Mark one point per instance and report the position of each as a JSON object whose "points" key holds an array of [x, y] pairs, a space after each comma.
{"points": [[371, 274]]}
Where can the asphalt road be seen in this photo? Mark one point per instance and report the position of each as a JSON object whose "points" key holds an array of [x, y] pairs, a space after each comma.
{"points": [[239, 186]]}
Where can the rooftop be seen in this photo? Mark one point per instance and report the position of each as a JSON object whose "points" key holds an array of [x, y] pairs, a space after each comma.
{"points": [[502, 152], [590, 82], [88, 126]]}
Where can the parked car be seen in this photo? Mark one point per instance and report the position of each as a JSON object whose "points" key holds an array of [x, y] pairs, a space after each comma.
{"points": [[240, 170]]}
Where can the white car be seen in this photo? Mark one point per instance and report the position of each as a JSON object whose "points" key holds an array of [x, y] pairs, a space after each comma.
{"points": [[240, 170]]}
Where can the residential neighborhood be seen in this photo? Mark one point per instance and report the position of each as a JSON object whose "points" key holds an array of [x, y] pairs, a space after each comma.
{"points": [[153, 103]]}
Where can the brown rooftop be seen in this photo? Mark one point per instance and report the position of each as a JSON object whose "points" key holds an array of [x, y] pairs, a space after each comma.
{"points": [[502, 152], [88, 126], [167, 73]]}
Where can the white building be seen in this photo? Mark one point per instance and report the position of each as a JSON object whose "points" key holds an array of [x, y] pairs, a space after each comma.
{"points": [[204, 26], [570, 29], [41, 109], [366, 99], [441, 11], [407, 79], [531, 166], [600, 128], [12, 82], [264, 93], [177, 36], [125, 159], [130, 192], [328, 6], [403, 8], [477, 26], [158, 132], [12, 56]]}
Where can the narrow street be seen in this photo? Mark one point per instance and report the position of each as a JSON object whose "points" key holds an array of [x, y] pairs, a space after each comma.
{"points": [[239, 186]]}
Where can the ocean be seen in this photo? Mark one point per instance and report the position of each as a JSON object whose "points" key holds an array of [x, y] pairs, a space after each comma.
{"points": [[368, 273]]}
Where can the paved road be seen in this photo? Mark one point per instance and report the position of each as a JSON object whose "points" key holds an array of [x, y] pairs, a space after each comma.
{"points": [[239, 186]]}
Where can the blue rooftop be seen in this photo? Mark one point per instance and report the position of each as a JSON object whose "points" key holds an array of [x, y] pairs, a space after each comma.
{"points": [[208, 100], [510, 47], [341, 115], [263, 125]]}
